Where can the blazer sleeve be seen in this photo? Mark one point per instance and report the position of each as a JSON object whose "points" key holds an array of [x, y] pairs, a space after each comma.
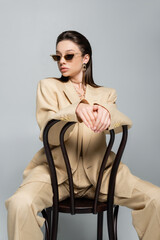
{"points": [[117, 118], [47, 109]]}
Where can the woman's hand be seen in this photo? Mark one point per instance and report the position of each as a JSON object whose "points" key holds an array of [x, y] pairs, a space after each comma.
{"points": [[102, 116], [95, 117], [85, 113]]}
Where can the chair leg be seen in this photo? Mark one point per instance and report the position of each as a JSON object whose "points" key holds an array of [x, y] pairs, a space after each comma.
{"points": [[115, 220], [55, 225], [100, 226], [46, 231], [110, 223], [47, 215]]}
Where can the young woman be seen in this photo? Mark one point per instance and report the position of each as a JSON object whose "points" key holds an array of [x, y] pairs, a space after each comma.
{"points": [[75, 97]]}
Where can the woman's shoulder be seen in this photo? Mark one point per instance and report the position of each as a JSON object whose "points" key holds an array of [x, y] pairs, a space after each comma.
{"points": [[50, 80], [50, 84], [103, 89]]}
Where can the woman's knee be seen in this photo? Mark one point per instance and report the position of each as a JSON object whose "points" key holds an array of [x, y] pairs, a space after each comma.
{"points": [[155, 199], [153, 194], [18, 203]]}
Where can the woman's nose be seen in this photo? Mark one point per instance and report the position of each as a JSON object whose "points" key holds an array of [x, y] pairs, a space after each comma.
{"points": [[62, 60]]}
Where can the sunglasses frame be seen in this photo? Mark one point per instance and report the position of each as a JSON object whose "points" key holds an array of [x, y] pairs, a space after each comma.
{"points": [[70, 54]]}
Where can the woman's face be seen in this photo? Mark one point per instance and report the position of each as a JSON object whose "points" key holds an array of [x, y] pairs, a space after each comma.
{"points": [[70, 68]]}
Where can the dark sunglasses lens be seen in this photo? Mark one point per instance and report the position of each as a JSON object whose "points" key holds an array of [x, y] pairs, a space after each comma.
{"points": [[56, 57], [69, 56]]}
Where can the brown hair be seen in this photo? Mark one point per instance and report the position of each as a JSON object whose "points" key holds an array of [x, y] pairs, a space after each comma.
{"points": [[85, 48]]}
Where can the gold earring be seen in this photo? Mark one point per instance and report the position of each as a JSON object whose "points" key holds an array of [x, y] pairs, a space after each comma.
{"points": [[84, 67]]}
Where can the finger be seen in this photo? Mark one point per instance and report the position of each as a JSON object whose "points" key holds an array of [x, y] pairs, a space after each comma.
{"points": [[100, 126], [86, 114], [95, 115], [104, 122], [85, 121], [92, 118], [89, 117], [105, 126], [99, 122], [107, 123], [103, 119], [92, 113]]}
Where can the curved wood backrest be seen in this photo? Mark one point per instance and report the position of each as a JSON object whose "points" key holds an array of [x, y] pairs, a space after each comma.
{"points": [[69, 172], [112, 180], [50, 160], [68, 166], [102, 168]]}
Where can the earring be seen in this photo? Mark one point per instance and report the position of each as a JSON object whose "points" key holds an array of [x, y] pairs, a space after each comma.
{"points": [[84, 67]]}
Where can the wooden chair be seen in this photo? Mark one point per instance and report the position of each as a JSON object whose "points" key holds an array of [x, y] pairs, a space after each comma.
{"points": [[82, 205]]}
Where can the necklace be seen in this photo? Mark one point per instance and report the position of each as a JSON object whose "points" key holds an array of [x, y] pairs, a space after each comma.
{"points": [[81, 92], [81, 95]]}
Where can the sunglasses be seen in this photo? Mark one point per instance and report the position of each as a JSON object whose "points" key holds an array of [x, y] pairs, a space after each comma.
{"points": [[67, 57]]}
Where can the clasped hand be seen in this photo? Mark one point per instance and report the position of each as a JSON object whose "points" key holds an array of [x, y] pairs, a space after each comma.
{"points": [[95, 117]]}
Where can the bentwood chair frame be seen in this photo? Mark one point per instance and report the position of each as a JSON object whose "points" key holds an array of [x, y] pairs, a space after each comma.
{"points": [[82, 205]]}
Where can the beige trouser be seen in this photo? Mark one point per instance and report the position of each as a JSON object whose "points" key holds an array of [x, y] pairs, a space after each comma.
{"points": [[31, 198]]}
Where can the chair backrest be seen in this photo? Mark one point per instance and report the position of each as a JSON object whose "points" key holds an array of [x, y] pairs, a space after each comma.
{"points": [[68, 167]]}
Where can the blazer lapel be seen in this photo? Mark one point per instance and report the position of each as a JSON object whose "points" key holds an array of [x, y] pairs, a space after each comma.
{"points": [[73, 97], [70, 92]]}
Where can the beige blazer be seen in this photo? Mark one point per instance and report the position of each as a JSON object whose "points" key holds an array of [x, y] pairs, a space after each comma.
{"points": [[58, 100]]}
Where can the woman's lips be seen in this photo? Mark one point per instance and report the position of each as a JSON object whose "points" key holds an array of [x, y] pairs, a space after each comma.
{"points": [[64, 69]]}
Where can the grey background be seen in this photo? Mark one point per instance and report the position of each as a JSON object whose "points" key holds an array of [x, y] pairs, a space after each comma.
{"points": [[125, 39]]}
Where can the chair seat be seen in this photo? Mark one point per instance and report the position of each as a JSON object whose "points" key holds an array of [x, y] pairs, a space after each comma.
{"points": [[82, 205]]}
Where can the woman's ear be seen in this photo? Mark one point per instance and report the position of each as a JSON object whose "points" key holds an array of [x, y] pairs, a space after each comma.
{"points": [[86, 58]]}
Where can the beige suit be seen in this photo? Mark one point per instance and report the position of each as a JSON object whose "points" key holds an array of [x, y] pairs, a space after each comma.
{"points": [[58, 100], [61, 103]]}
